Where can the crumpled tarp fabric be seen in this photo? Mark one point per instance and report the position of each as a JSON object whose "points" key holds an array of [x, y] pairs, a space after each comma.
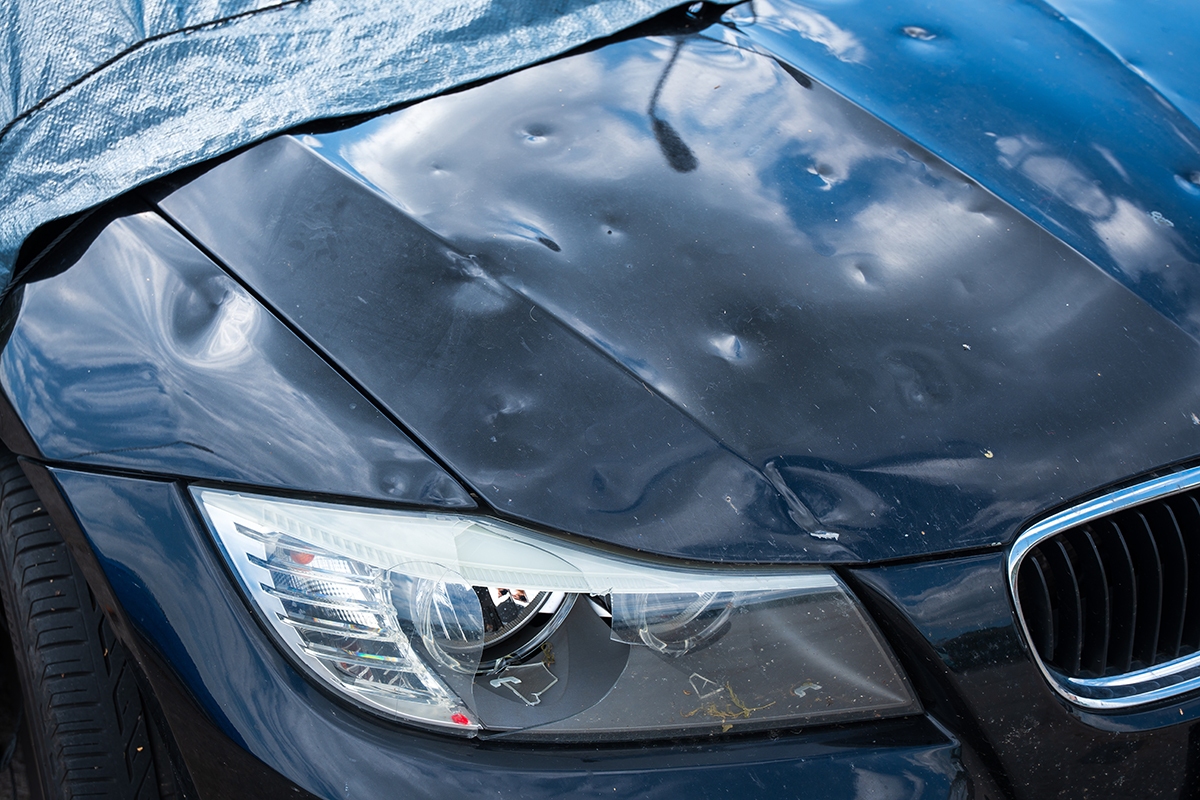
{"points": [[101, 96]]}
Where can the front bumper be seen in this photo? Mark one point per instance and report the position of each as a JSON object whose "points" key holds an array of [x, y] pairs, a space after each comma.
{"points": [[241, 720]]}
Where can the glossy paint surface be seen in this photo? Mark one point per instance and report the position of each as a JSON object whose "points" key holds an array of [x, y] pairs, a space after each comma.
{"points": [[723, 295], [171, 586], [135, 351], [952, 621], [674, 295], [1083, 115], [541, 424]]}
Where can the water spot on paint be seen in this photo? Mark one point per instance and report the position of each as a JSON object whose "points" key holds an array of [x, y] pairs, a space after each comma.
{"points": [[918, 33], [1159, 219]]}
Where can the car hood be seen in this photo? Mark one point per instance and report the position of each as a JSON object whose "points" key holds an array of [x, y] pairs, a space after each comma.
{"points": [[677, 294]]}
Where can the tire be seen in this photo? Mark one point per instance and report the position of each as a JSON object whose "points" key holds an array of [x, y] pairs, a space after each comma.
{"points": [[83, 705]]}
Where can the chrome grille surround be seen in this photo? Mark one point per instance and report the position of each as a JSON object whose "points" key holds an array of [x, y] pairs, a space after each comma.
{"points": [[1127, 690]]}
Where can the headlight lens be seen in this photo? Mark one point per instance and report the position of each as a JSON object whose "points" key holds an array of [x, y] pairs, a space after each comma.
{"points": [[473, 625]]}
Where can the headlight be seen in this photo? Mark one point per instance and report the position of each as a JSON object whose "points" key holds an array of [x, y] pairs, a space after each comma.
{"points": [[474, 625]]}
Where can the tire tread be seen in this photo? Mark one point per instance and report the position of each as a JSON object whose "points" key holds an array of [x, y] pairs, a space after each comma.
{"points": [[89, 713]]}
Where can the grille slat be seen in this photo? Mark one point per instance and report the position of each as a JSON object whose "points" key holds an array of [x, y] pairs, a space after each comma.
{"points": [[1094, 601], [1187, 515], [1068, 608], [1122, 587], [1173, 555], [1148, 568], [1035, 597]]}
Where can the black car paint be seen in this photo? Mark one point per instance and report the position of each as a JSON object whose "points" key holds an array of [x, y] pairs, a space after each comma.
{"points": [[700, 368], [169, 365], [952, 625], [991, 433], [1081, 115]]}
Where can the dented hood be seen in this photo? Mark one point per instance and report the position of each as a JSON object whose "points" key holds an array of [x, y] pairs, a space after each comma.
{"points": [[676, 293]]}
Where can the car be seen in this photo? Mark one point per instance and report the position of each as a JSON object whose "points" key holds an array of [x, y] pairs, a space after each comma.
{"points": [[771, 400]]}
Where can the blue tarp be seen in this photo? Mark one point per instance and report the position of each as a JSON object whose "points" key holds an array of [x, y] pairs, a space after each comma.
{"points": [[101, 96]]}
